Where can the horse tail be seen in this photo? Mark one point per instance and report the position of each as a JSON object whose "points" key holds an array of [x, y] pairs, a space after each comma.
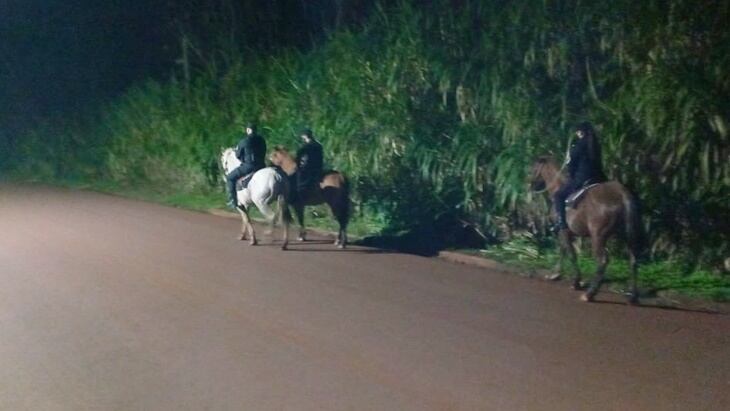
{"points": [[634, 226]]}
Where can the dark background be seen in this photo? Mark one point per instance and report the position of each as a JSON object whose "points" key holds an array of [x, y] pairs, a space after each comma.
{"points": [[63, 56]]}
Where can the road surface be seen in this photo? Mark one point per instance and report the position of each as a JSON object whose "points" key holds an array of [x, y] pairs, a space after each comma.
{"points": [[113, 304]]}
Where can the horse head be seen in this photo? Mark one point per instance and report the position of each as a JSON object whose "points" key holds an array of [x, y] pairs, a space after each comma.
{"points": [[228, 159], [280, 157], [542, 173]]}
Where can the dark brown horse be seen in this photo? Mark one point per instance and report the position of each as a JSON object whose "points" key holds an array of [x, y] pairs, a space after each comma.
{"points": [[603, 211], [333, 190]]}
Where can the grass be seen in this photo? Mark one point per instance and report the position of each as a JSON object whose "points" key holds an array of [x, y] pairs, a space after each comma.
{"points": [[666, 277], [435, 112]]}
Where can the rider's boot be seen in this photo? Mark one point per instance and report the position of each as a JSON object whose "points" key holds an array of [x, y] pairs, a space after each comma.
{"points": [[562, 223]]}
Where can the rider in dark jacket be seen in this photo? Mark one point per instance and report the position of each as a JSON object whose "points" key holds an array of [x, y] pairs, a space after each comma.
{"points": [[251, 150], [310, 159], [584, 166]]}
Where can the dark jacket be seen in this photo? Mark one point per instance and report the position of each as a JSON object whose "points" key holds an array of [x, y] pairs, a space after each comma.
{"points": [[310, 159], [252, 151], [584, 162]]}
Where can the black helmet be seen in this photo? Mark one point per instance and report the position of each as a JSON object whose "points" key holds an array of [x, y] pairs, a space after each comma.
{"points": [[306, 132], [586, 127]]}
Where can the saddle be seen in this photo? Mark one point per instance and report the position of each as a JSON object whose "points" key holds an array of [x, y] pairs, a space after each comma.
{"points": [[243, 181], [573, 199]]}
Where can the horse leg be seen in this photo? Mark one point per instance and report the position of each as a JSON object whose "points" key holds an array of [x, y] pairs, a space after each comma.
{"points": [[341, 239], [248, 225], [244, 226], [601, 255], [566, 240], [270, 216], [285, 219], [338, 202], [634, 296], [558, 270], [299, 211]]}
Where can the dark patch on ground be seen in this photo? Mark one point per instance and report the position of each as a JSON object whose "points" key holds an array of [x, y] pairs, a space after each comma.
{"points": [[427, 240]]}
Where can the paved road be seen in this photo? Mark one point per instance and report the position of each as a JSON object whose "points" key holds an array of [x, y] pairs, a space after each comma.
{"points": [[112, 304]]}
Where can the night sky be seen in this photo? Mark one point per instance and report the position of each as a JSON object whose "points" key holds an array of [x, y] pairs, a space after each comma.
{"points": [[62, 56], [59, 55]]}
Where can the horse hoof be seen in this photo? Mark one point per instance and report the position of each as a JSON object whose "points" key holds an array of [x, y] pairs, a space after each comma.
{"points": [[253, 242], [587, 297], [284, 247], [341, 246], [242, 238], [301, 239], [634, 299], [554, 277], [579, 286]]}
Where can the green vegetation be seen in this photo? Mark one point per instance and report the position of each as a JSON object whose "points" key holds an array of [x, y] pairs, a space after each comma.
{"points": [[436, 111], [666, 277]]}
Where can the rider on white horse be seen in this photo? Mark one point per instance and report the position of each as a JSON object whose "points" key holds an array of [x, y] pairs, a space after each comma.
{"points": [[251, 151]]}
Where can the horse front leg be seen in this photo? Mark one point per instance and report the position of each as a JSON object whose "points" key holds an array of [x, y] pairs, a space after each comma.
{"points": [[601, 255], [557, 273], [566, 240]]}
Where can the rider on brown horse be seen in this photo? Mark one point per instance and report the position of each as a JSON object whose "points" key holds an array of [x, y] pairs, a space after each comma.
{"points": [[584, 166], [309, 165]]}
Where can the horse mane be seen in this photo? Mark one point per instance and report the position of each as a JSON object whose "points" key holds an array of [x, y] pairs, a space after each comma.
{"points": [[547, 158], [281, 149]]}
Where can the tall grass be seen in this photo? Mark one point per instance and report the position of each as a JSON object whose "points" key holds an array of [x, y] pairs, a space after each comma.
{"points": [[437, 108]]}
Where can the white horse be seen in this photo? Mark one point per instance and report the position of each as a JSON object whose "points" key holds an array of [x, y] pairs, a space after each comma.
{"points": [[266, 185]]}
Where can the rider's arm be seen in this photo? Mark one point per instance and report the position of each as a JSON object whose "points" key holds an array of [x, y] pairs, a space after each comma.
{"points": [[302, 157], [241, 150], [577, 153]]}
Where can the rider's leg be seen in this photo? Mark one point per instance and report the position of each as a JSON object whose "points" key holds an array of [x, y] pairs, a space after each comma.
{"points": [[293, 188], [232, 178], [304, 182], [559, 204]]}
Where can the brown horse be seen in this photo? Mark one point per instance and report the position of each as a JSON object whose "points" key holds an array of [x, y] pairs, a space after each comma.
{"points": [[603, 211], [333, 190]]}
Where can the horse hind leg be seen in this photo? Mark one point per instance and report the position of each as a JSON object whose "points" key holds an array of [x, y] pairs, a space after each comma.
{"points": [[339, 206], [247, 226], [285, 219], [634, 295], [299, 211]]}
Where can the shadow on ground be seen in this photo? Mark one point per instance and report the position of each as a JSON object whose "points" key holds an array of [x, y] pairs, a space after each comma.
{"points": [[428, 240]]}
